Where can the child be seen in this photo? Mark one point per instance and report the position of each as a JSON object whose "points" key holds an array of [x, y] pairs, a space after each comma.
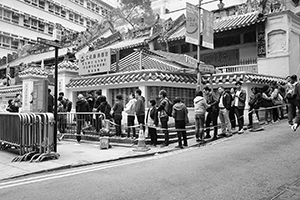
{"points": [[180, 115], [130, 110], [151, 121], [117, 114]]}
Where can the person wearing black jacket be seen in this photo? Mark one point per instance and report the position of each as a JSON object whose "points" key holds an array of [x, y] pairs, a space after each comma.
{"points": [[96, 106], [224, 106], [81, 106], [152, 122], [213, 112]]}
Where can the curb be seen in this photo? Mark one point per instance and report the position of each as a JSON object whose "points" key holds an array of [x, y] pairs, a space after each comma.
{"points": [[90, 163]]}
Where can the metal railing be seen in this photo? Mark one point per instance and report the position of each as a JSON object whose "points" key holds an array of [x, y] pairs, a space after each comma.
{"points": [[32, 135], [252, 68]]}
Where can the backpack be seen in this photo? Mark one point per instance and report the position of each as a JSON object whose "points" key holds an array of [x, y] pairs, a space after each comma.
{"points": [[169, 107]]}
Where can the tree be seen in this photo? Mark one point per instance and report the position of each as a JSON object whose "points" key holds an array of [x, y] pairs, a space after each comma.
{"points": [[134, 13]]}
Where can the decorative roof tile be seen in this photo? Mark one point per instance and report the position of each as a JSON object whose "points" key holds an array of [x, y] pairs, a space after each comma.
{"points": [[11, 90], [220, 25], [125, 44], [66, 64], [33, 71]]}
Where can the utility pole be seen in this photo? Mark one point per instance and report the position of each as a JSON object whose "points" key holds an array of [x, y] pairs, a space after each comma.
{"points": [[198, 88]]}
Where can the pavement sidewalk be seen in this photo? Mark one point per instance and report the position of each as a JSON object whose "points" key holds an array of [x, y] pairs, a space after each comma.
{"points": [[74, 155]]}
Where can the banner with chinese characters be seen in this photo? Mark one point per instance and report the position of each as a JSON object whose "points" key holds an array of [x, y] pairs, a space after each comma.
{"points": [[95, 62], [208, 29], [192, 21]]}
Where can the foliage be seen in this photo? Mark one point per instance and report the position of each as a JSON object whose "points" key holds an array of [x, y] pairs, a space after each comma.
{"points": [[132, 12]]}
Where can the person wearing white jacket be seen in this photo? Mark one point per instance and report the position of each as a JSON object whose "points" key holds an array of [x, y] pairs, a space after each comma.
{"points": [[130, 110], [200, 106]]}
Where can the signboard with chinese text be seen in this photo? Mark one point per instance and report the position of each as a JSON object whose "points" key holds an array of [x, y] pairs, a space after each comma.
{"points": [[208, 29], [95, 62], [192, 21]]}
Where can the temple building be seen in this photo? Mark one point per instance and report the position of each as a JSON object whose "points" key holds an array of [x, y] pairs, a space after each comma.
{"points": [[253, 45]]}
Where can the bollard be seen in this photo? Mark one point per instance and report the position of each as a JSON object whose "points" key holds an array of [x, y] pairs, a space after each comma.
{"points": [[141, 141]]}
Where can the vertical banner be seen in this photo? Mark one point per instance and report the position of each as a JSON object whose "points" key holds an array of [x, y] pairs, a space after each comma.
{"points": [[192, 30], [208, 29]]}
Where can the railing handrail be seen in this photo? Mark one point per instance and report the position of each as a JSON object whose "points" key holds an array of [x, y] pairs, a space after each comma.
{"points": [[236, 66]]}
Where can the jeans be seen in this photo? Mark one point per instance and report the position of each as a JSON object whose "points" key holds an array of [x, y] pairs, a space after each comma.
{"points": [[141, 120], [130, 122], [164, 125], [267, 113], [291, 112], [224, 118], [232, 117], [80, 124], [153, 135], [98, 124], [199, 122], [180, 124], [118, 119], [240, 117], [212, 117]]}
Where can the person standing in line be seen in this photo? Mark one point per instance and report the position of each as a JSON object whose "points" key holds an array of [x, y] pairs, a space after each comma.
{"points": [[140, 108], [254, 104], [291, 98], [117, 114], [163, 115], [180, 114], [91, 100], [130, 110], [239, 105], [224, 105], [213, 112], [200, 106], [50, 101], [81, 106], [232, 111], [96, 108], [152, 122]]}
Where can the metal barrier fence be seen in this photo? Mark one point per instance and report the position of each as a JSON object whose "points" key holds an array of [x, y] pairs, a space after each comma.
{"points": [[32, 135], [86, 124]]}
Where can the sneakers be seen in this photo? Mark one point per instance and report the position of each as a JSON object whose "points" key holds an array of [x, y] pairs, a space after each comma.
{"points": [[294, 127], [164, 145], [179, 147], [207, 137], [240, 131]]}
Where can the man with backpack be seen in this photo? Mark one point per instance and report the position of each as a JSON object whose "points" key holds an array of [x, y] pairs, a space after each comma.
{"points": [[140, 108], [165, 110]]}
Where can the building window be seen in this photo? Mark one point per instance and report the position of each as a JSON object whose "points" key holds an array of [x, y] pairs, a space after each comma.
{"points": [[185, 48], [63, 13], [41, 26], [6, 41], [81, 2], [34, 2], [88, 5], [97, 9], [34, 24], [51, 7], [186, 95], [42, 4], [26, 21], [88, 23], [71, 16], [57, 10], [15, 43], [76, 18], [81, 21], [50, 29], [7, 15], [15, 18]]}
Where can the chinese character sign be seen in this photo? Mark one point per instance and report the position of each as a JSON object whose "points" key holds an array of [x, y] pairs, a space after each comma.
{"points": [[208, 29], [95, 62], [192, 21]]}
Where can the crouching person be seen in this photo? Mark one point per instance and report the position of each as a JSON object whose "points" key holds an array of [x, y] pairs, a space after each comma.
{"points": [[180, 113]]}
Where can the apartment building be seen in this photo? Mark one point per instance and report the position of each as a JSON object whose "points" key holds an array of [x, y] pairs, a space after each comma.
{"points": [[22, 21]]}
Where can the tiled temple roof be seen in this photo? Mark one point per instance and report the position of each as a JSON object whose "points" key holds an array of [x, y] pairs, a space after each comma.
{"points": [[130, 43], [220, 25], [133, 77], [11, 90], [33, 71], [66, 64]]}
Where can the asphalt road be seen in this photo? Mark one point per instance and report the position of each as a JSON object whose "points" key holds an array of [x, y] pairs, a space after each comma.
{"points": [[249, 166]]}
